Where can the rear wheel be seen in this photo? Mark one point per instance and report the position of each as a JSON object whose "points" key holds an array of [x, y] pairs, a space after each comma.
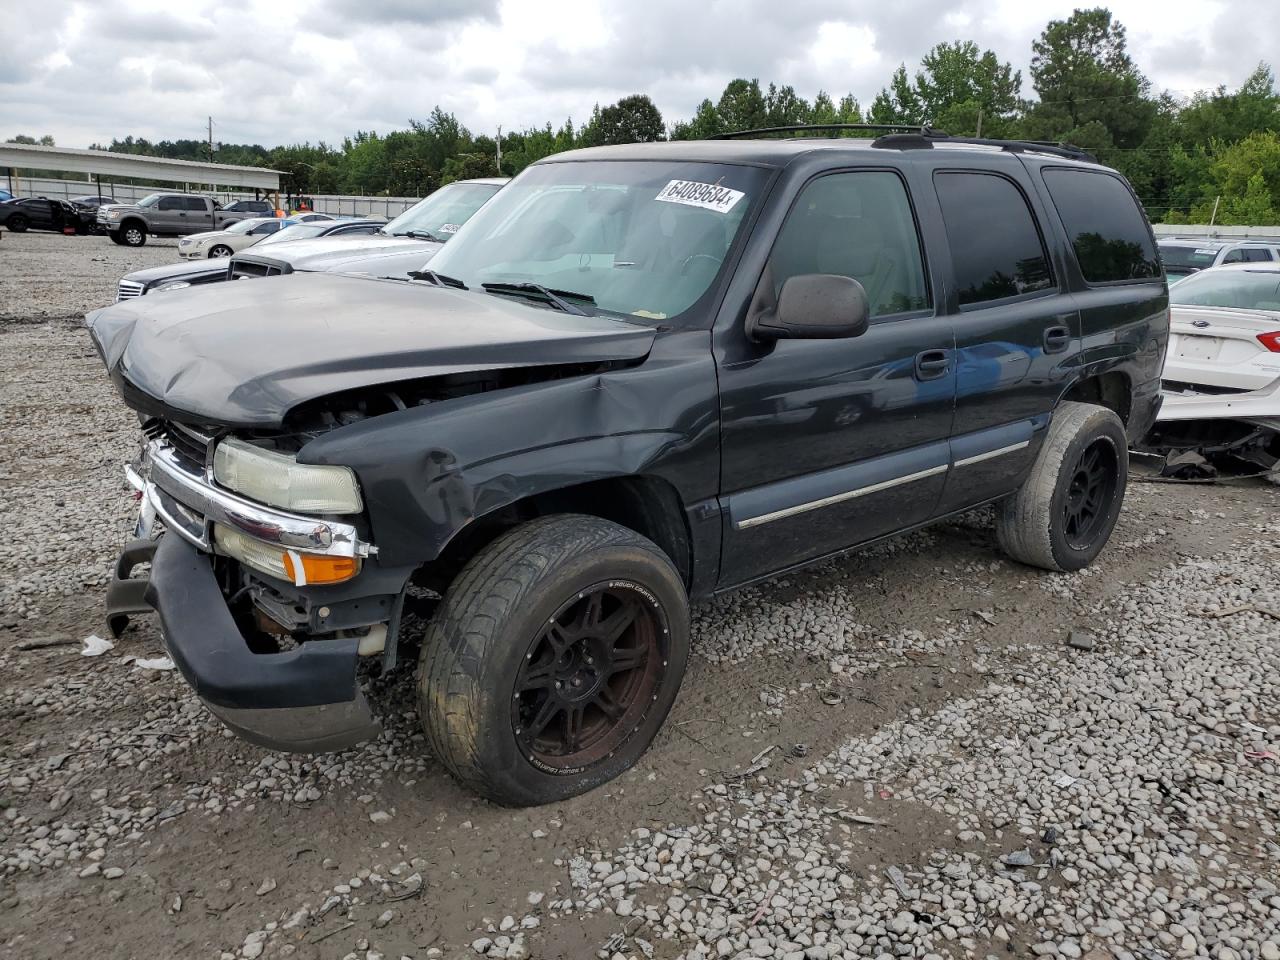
{"points": [[18, 223], [1063, 514], [553, 660]]}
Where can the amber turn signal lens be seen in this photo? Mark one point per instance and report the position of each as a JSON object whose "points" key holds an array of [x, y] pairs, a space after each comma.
{"points": [[309, 568]]}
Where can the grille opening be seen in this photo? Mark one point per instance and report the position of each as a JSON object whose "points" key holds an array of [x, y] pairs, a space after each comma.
{"points": [[189, 445]]}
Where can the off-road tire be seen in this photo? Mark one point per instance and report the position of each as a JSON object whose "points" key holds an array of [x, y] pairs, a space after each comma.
{"points": [[1031, 525], [17, 223], [220, 252], [133, 235], [479, 637]]}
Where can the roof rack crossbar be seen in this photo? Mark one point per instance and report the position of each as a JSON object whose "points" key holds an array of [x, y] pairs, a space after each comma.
{"points": [[810, 127]]}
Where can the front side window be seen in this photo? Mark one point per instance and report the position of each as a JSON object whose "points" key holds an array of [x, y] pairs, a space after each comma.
{"points": [[262, 229], [172, 203], [642, 239], [996, 250], [857, 225], [1107, 229]]}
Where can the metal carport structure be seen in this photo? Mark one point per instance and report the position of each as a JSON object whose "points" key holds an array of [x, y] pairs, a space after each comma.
{"points": [[102, 164]]}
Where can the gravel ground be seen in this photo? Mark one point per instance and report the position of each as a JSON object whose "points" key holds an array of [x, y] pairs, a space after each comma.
{"points": [[923, 750]]}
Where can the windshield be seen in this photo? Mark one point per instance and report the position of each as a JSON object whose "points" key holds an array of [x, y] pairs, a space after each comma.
{"points": [[442, 213], [299, 231], [242, 226], [640, 238], [1241, 289], [150, 201], [1186, 259]]}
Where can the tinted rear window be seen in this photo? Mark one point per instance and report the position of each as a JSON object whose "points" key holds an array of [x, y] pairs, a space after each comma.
{"points": [[1107, 230], [991, 264]]}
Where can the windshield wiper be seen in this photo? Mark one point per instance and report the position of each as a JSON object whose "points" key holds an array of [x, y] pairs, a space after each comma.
{"points": [[420, 235], [439, 279], [536, 291]]}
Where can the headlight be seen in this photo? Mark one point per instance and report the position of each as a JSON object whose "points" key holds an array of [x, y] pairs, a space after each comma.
{"points": [[281, 481], [166, 287], [294, 566], [113, 214]]}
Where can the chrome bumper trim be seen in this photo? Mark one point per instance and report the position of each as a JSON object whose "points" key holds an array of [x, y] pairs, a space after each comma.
{"points": [[188, 504]]}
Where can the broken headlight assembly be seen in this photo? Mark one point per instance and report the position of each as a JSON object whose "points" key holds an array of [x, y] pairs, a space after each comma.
{"points": [[279, 480]]}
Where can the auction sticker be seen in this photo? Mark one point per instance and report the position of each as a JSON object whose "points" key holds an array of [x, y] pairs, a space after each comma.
{"points": [[708, 196]]}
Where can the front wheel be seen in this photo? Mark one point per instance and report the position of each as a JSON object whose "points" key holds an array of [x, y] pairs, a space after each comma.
{"points": [[132, 235], [553, 660], [1063, 514], [220, 252]]}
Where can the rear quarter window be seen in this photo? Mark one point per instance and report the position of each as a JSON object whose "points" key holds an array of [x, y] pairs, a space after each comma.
{"points": [[1107, 229]]}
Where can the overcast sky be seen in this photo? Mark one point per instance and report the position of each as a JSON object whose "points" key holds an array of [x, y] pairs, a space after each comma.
{"points": [[284, 71]]}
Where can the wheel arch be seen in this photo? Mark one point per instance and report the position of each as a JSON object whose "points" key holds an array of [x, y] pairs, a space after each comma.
{"points": [[1112, 389], [647, 504]]}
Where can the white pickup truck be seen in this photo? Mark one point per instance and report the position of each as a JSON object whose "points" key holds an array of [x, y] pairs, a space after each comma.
{"points": [[164, 215]]}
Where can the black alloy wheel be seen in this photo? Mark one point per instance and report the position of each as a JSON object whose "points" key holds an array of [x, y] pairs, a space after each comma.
{"points": [[1087, 504], [590, 677]]}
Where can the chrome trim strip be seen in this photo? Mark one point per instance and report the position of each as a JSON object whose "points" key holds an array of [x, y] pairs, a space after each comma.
{"points": [[286, 530], [991, 454], [839, 497]]}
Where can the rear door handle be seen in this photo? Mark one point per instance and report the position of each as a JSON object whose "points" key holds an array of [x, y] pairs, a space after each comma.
{"points": [[1056, 339], [932, 364]]}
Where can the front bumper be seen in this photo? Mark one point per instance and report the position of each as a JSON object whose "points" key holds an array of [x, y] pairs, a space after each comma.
{"points": [[304, 700]]}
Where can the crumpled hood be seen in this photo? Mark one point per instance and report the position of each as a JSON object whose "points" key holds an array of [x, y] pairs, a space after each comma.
{"points": [[244, 354]]}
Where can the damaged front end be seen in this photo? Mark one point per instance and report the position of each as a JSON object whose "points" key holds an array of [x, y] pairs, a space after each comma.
{"points": [[1233, 428], [265, 611]]}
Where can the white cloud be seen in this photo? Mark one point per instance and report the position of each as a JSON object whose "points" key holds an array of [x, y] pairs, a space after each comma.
{"points": [[281, 71]]}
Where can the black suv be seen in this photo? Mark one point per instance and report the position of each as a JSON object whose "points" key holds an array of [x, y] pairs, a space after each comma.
{"points": [[640, 376]]}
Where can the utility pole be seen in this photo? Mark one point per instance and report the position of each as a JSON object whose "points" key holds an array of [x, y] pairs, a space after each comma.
{"points": [[499, 149], [211, 139], [979, 122], [1213, 217]]}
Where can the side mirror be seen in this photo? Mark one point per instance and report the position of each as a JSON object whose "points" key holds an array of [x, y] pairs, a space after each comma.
{"points": [[812, 306]]}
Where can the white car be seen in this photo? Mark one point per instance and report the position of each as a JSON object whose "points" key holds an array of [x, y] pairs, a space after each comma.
{"points": [[1222, 371], [223, 243]]}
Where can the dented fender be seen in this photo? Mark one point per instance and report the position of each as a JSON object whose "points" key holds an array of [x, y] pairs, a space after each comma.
{"points": [[428, 471]]}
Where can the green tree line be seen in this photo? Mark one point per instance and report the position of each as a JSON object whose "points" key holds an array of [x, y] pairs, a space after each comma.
{"points": [[1212, 154]]}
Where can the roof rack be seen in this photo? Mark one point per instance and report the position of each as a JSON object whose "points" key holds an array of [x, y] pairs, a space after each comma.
{"points": [[810, 127], [926, 138]]}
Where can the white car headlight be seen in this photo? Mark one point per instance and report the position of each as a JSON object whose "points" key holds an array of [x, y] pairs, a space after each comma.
{"points": [[113, 214], [175, 285], [278, 479]]}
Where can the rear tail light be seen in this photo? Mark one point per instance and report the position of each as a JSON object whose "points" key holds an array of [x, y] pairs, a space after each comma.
{"points": [[1270, 340]]}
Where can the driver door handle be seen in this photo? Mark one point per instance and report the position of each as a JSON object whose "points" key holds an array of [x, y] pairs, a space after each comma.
{"points": [[932, 364]]}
